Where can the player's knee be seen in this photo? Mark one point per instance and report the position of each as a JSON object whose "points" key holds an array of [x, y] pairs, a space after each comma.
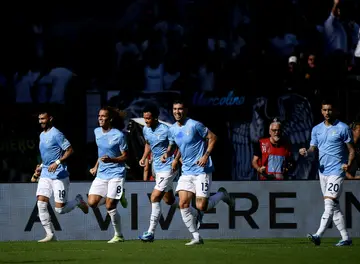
{"points": [[92, 203], [111, 205], [155, 197], [60, 210], [184, 204], [201, 203], [43, 198]]}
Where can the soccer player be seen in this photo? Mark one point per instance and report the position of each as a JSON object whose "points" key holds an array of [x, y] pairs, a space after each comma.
{"points": [[52, 175], [333, 139], [157, 142], [110, 171], [195, 142]]}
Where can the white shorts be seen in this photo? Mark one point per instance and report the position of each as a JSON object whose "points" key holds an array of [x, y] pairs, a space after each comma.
{"points": [[164, 181], [59, 187], [200, 185], [112, 188], [331, 186]]}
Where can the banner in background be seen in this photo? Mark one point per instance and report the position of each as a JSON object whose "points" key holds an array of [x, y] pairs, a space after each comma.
{"points": [[262, 210]]}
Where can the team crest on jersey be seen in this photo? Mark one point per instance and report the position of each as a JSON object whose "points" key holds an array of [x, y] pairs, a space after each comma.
{"points": [[112, 140], [187, 132], [333, 133]]}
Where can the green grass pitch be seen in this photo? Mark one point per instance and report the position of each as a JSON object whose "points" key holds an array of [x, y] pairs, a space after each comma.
{"points": [[265, 251]]}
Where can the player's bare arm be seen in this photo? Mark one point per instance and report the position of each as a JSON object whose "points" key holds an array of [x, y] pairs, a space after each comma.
{"points": [[176, 161], [211, 138], [95, 168], [68, 152], [120, 159], [305, 152], [351, 157], [147, 151], [255, 165]]}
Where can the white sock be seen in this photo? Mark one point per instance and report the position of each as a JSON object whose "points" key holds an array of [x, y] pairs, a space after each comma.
{"points": [[69, 206], [101, 202], [45, 218], [155, 216], [339, 222], [326, 217], [116, 222], [189, 221], [214, 200]]}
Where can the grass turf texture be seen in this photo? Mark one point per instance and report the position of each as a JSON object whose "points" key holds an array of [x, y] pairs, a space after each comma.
{"points": [[174, 251]]}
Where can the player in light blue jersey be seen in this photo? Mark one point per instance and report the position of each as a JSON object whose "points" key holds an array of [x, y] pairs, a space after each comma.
{"points": [[110, 171], [333, 140], [157, 142], [52, 175], [195, 142]]}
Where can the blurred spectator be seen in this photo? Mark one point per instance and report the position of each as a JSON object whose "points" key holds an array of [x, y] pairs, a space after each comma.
{"points": [[272, 157]]}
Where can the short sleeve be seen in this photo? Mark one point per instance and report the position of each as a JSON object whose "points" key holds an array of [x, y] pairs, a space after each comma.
{"points": [[346, 135], [314, 139], [62, 141], [171, 137], [145, 134], [123, 144], [201, 129]]}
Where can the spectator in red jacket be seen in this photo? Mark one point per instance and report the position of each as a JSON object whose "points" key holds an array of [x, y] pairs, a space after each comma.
{"points": [[272, 156]]}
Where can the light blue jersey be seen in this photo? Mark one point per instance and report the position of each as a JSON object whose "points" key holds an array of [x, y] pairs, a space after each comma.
{"points": [[191, 140], [111, 143], [331, 140], [159, 142], [52, 146]]}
